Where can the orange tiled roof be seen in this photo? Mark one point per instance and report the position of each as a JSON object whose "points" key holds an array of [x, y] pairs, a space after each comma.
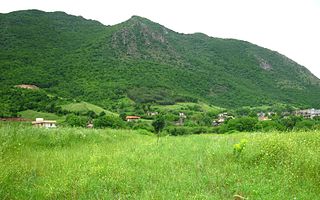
{"points": [[133, 117]]}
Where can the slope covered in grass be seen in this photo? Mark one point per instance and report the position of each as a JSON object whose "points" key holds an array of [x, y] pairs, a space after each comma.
{"points": [[31, 114], [84, 107], [69, 163], [180, 107]]}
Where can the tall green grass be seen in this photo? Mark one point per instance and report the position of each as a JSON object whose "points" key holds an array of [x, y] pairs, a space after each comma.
{"points": [[31, 114], [84, 107], [76, 163]]}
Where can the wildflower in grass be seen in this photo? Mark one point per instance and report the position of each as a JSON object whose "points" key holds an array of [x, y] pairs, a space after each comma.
{"points": [[238, 148]]}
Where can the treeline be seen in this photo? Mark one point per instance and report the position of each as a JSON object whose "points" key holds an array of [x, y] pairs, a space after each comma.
{"points": [[14, 100], [250, 124]]}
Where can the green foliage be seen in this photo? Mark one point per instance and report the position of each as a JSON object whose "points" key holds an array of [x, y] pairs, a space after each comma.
{"points": [[14, 100], [76, 58], [109, 121], [248, 124], [239, 147], [78, 163], [269, 125], [145, 125], [74, 120], [241, 124], [84, 108], [91, 114], [290, 122], [123, 116], [175, 131], [31, 114], [185, 130], [158, 124], [102, 114], [306, 124]]}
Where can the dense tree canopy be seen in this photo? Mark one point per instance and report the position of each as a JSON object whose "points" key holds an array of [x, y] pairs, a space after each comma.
{"points": [[138, 59]]}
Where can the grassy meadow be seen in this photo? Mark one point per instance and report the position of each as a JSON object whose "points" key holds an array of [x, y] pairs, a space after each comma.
{"points": [[84, 107], [76, 163], [31, 114]]}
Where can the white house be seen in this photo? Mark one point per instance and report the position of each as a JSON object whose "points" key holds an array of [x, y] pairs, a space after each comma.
{"points": [[40, 122], [308, 113]]}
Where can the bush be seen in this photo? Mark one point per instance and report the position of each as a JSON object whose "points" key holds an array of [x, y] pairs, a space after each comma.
{"points": [[305, 125], [271, 151], [108, 121], [141, 125], [175, 131], [74, 120], [184, 130], [290, 122], [239, 124], [269, 125]]}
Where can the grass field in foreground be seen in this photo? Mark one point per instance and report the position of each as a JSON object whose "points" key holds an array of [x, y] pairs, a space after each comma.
{"points": [[75, 163]]}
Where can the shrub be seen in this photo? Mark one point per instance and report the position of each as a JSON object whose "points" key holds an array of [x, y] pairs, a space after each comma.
{"points": [[269, 126], [305, 125], [141, 125], [184, 130], [108, 121], [74, 120], [290, 122], [272, 152], [175, 131], [239, 124]]}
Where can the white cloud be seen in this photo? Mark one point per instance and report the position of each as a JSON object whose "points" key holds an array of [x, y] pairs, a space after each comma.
{"points": [[288, 26]]}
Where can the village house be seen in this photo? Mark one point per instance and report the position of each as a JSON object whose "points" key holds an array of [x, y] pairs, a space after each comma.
{"points": [[132, 118], [25, 86], [308, 113], [263, 117], [182, 117], [40, 122], [222, 117], [152, 113], [89, 124]]}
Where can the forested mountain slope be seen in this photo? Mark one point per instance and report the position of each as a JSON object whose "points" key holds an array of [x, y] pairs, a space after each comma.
{"points": [[138, 59]]}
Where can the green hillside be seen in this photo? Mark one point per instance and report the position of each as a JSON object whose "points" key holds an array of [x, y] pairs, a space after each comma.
{"points": [[84, 107], [81, 59], [31, 114]]}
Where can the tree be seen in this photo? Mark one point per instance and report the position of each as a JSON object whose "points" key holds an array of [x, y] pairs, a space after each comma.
{"points": [[102, 114], [74, 120], [108, 121], [91, 114], [158, 124], [123, 116]]}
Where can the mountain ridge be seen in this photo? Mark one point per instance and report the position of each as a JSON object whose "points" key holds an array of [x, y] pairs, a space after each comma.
{"points": [[142, 60]]}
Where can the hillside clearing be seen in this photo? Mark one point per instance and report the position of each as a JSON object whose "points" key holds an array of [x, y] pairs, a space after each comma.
{"points": [[31, 114], [188, 106], [84, 107]]}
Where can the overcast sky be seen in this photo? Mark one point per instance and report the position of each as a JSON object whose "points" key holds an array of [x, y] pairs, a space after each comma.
{"points": [[291, 27]]}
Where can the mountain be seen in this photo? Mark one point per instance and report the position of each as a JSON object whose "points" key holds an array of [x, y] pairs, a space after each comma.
{"points": [[143, 61]]}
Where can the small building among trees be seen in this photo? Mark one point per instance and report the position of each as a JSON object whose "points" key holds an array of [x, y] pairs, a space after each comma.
{"points": [[26, 86], [40, 122], [308, 113], [222, 117], [132, 118], [182, 117], [263, 116]]}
